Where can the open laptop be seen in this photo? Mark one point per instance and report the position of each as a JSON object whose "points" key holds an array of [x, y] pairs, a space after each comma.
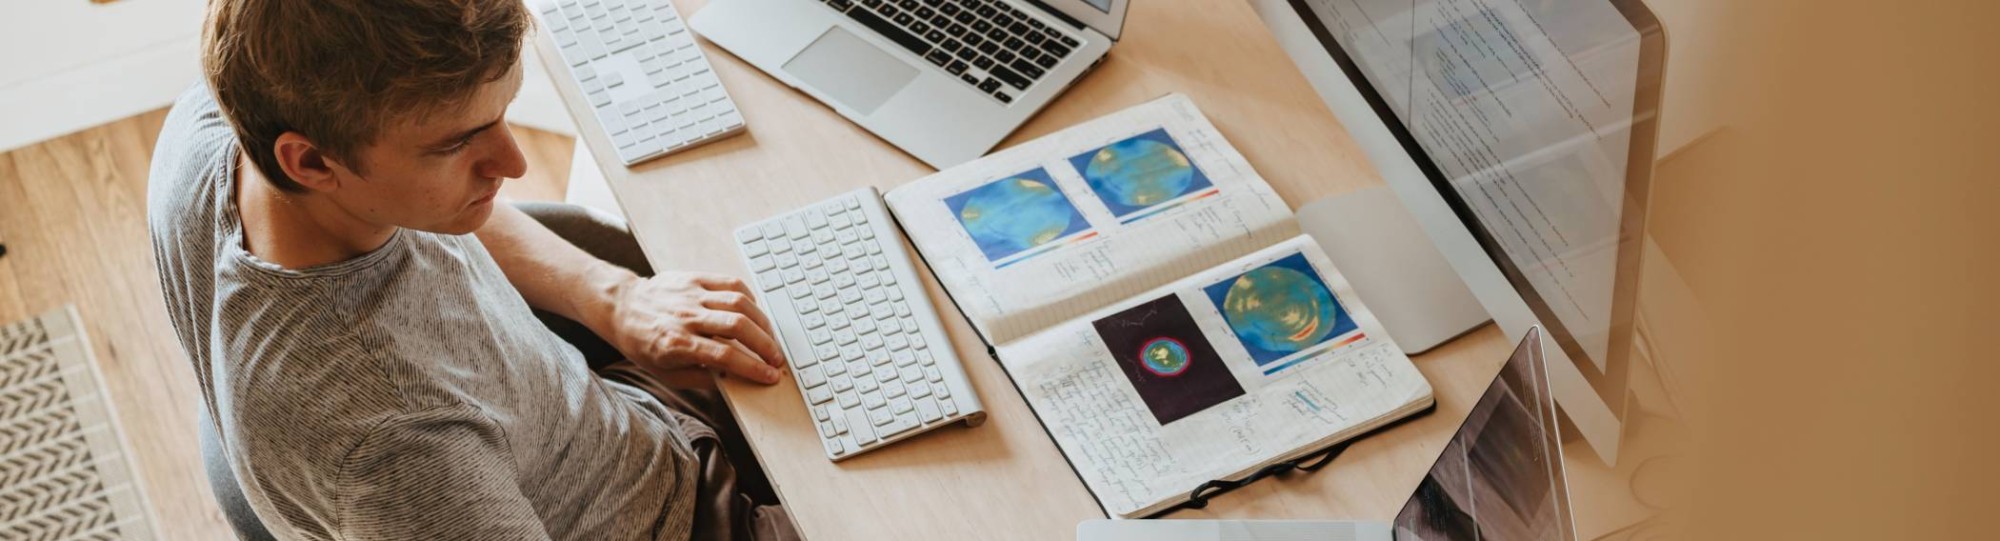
{"points": [[944, 80], [1500, 478]]}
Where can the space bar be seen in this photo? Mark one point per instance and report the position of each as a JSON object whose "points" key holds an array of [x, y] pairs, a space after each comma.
{"points": [[894, 33]]}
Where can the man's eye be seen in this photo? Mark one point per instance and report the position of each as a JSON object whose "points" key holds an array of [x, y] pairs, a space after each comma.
{"points": [[460, 146]]}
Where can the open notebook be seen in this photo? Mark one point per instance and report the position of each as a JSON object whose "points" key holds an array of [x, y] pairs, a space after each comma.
{"points": [[1155, 303]]}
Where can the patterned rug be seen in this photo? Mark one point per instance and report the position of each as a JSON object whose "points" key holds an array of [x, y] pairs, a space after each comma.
{"points": [[64, 469]]}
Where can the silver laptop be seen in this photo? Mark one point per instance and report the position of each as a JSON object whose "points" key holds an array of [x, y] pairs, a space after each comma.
{"points": [[1500, 478], [944, 80]]}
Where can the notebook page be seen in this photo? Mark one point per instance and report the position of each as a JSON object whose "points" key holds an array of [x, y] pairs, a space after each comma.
{"points": [[1213, 376], [1055, 227]]}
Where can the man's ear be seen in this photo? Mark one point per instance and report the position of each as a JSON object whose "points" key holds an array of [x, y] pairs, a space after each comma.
{"points": [[306, 164]]}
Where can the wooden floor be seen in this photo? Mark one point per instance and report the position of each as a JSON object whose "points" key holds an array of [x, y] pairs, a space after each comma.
{"points": [[73, 219]]}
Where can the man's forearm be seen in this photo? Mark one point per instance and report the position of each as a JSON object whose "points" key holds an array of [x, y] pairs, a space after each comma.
{"points": [[551, 273]]}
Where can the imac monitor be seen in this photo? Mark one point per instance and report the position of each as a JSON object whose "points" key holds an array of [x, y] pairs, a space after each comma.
{"points": [[1527, 125]]}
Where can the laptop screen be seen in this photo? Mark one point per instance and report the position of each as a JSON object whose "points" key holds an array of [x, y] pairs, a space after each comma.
{"points": [[1500, 477]]}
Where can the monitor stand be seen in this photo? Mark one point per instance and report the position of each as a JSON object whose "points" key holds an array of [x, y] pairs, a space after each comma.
{"points": [[1394, 267]]}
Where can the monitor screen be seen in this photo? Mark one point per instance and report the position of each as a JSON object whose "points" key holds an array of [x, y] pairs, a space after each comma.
{"points": [[1500, 477], [1535, 121]]}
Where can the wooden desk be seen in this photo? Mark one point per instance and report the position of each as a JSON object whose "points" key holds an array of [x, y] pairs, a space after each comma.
{"points": [[1005, 479]]}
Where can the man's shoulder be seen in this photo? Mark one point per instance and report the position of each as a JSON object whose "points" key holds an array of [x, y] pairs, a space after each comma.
{"points": [[194, 149]]}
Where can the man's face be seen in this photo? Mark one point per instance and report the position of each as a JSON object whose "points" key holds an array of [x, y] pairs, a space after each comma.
{"points": [[439, 170]]}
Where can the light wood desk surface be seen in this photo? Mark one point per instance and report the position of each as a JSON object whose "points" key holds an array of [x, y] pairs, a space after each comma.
{"points": [[1006, 479]]}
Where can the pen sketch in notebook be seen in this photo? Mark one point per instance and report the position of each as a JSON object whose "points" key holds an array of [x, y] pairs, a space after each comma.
{"points": [[1142, 175], [1161, 350], [1280, 310]]}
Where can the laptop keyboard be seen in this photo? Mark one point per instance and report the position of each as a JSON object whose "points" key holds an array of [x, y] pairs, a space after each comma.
{"points": [[994, 47]]}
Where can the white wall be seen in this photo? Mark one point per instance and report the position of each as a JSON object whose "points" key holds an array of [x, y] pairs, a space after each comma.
{"points": [[66, 65], [71, 64]]}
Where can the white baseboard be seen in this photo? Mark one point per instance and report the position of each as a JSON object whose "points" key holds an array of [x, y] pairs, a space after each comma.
{"points": [[94, 94]]}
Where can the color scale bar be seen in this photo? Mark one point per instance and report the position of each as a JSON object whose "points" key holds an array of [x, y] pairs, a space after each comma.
{"points": [[1303, 356]]}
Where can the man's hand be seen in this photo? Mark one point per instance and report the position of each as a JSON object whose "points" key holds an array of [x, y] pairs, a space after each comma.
{"points": [[679, 320]]}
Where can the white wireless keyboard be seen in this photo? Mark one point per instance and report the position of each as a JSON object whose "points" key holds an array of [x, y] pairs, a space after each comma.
{"points": [[638, 66], [866, 348]]}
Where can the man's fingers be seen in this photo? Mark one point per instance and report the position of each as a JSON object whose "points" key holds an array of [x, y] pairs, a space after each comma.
{"points": [[739, 327], [741, 303], [729, 359], [720, 282]]}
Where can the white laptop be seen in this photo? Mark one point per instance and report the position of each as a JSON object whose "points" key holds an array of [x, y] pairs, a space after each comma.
{"points": [[1500, 479], [945, 80]]}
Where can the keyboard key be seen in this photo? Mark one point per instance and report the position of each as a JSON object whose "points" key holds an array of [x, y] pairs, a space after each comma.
{"points": [[1013, 79], [985, 63], [1047, 61], [903, 423], [1059, 50], [1026, 68], [1004, 57], [939, 57], [819, 395], [860, 426], [894, 33], [812, 377], [920, 27], [927, 409]]}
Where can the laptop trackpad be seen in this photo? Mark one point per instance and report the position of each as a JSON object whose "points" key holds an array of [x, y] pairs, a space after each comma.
{"points": [[850, 70]]}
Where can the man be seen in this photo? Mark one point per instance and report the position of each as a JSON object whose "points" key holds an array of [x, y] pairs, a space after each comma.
{"points": [[356, 303]]}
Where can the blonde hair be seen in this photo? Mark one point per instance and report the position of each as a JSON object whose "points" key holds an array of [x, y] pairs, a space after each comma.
{"points": [[336, 71]]}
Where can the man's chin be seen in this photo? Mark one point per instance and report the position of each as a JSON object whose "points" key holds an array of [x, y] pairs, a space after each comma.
{"points": [[468, 221]]}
